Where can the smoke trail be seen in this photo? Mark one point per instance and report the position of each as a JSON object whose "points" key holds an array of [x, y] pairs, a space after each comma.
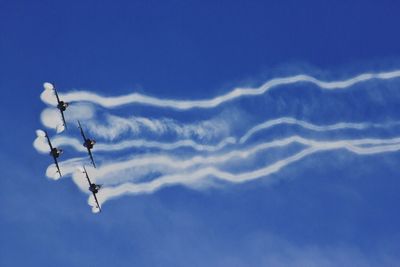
{"points": [[181, 178], [169, 162], [166, 146], [208, 172], [51, 117], [68, 167], [140, 143], [313, 127], [136, 98], [111, 126], [115, 126], [222, 153]]}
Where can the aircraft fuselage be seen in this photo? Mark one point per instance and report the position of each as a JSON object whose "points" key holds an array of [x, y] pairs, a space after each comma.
{"points": [[94, 188], [55, 152], [62, 105], [89, 143]]}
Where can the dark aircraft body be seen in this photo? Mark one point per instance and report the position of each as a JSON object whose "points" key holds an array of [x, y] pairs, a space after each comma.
{"points": [[94, 188], [88, 143], [61, 105], [55, 153]]}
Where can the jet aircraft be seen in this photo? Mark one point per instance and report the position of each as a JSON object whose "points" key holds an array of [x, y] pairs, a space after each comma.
{"points": [[61, 105], [88, 143], [54, 152], [94, 188]]}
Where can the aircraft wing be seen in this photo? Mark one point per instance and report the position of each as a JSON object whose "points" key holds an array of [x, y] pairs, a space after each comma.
{"points": [[97, 202], [48, 141], [55, 92], [63, 119], [91, 157], [58, 167], [82, 133], [87, 176], [51, 149]]}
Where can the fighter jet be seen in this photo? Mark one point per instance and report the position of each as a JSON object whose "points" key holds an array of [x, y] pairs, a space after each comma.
{"points": [[94, 188], [88, 143], [61, 105], [54, 152]]}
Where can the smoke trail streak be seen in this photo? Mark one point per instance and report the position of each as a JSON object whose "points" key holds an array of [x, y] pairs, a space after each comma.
{"points": [[165, 146], [112, 102], [171, 162], [40, 144], [310, 126], [184, 179], [138, 143], [115, 125], [208, 172], [68, 167], [148, 172]]}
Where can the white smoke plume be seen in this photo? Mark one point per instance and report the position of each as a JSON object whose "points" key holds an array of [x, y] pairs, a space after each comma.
{"points": [[140, 143], [140, 154], [136, 98], [187, 178]]}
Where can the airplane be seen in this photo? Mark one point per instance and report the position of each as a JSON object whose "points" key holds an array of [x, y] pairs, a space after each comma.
{"points": [[55, 153], [94, 188], [61, 105], [88, 143]]}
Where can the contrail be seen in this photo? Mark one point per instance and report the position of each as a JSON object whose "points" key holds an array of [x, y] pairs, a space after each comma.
{"points": [[68, 167], [184, 179], [209, 172], [165, 146], [41, 145], [171, 162], [140, 143], [116, 126], [177, 161], [136, 98], [111, 126], [310, 126]]}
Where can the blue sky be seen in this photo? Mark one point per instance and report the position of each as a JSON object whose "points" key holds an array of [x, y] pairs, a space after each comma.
{"points": [[333, 208]]}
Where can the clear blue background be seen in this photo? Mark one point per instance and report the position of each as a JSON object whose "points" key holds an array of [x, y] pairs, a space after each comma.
{"points": [[348, 207]]}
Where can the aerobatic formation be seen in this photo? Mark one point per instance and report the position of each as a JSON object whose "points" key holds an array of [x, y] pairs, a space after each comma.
{"points": [[243, 135], [87, 143]]}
